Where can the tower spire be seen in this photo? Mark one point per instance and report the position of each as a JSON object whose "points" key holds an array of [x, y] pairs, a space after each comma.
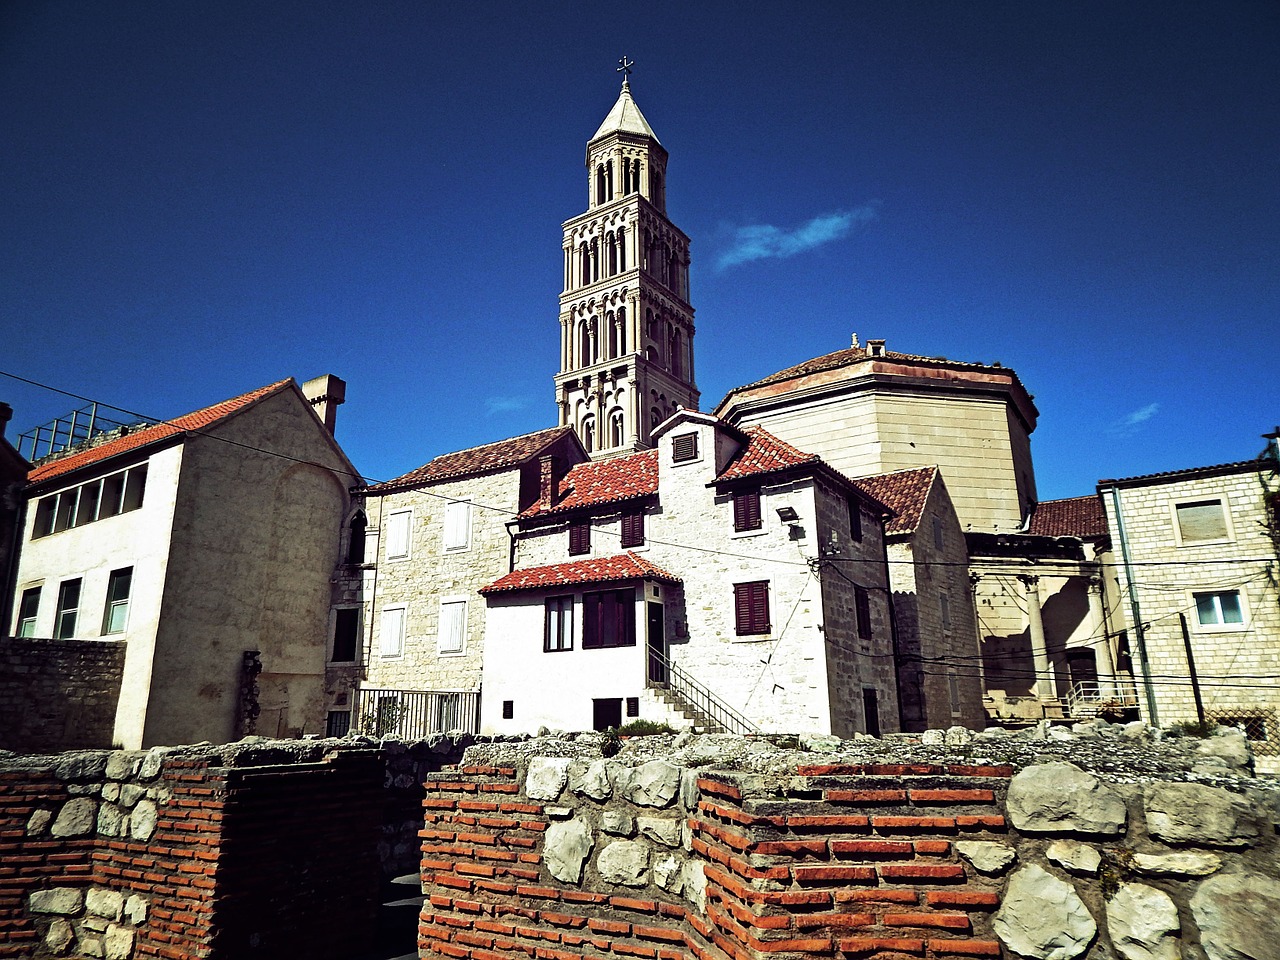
{"points": [[626, 325]]}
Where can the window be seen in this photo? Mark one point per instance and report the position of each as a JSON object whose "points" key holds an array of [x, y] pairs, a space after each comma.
{"points": [[953, 692], [451, 640], [116, 615], [751, 607], [633, 529], [1221, 609], [457, 525], [633, 706], [609, 619], [944, 609], [339, 723], [616, 436], [746, 511], [391, 639], [684, 448], [871, 710], [862, 607], [346, 634], [27, 610], [508, 709], [96, 500], [938, 540], [558, 633], [580, 537], [355, 543], [64, 623], [855, 520], [1201, 522], [399, 525]]}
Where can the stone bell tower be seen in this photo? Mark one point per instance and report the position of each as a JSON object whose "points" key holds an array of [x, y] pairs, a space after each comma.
{"points": [[626, 326]]}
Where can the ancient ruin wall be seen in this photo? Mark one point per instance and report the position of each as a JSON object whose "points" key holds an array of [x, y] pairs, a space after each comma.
{"points": [[560, 859], [58, 694]]}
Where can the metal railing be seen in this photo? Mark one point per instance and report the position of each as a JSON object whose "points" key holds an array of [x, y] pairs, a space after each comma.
{"points": [[413, 714], [711, 710], [1088, 697]]}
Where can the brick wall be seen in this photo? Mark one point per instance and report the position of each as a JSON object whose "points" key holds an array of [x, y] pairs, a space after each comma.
{"points": [[851, 860], [58, 694]]}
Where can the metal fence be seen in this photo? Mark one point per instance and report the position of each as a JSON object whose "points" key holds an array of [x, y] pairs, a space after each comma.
{"points": [[413, 714], [1090, 698]]}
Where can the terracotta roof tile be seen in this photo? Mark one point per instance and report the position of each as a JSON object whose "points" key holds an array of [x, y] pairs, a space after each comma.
{"points": [[145, 436], [603, 481], [764, 453], [904, 492], [1219, 469], [1081, 517], [476, 460], [627, 566]]}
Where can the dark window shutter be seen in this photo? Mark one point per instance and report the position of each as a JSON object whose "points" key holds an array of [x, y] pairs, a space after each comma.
{"points": [[684, 447], [346, 634], [751, 607], [862, 605], [855, 520], [746, 511], [633, 529], [580, 538]]}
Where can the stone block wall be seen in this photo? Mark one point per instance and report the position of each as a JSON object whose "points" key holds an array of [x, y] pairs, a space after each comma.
{"points": [[561, 859], [58, 694]]}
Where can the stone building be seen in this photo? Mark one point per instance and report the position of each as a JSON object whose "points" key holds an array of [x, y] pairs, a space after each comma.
{"points": [[626, 325], [1197, 553], [939, 671], [724, 568], [203, 546], [869, 410], [407, 625]]}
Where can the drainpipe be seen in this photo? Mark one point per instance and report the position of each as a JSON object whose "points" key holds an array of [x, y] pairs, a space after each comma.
{"points": [[1139, 634]]}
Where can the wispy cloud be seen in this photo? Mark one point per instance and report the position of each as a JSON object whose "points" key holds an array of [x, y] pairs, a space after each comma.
{"points": [[763, 241], [1129, 423], [496, 405]]}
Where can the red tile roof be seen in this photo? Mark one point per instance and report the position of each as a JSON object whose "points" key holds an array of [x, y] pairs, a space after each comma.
{"points": [[1191, 473], [627, 566], [145, 436], [764, 453], [1081, 517], [904, 492], [599, 482], [476, 460]]}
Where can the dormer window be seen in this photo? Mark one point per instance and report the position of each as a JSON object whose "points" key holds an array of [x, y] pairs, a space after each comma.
{"points": [[684, 448]]}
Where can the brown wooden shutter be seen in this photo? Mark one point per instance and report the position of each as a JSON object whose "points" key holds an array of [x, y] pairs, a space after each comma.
{"points": [[751, 607], [684, 447], [746, 511], [580, 537], [633, 529]]}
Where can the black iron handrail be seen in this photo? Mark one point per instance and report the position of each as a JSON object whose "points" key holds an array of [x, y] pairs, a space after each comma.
{"points": [[665, 674]]}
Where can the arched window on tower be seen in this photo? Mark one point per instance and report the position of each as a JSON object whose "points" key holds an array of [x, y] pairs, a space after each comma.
{"points": [[584, 344], [600, 197], [355, 543], [622, 331], [611, 245], [584, 265], [608, 178], [622, 248], [655, 190], [595, 259], [615, 429], [677, 354], [673, 271], [655, 417], [611, 324], [589, 434], [646, 250]]}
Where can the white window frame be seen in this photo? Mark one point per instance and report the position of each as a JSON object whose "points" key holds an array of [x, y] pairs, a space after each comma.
{"points": [[112, 606], [1188, 501], [26, 626], [1193, 615], [392, 625], [394, 521], [457, 513], [452, 603]]}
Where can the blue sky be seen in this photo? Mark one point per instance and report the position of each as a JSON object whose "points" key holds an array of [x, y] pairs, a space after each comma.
{"points": [[200, 198]]}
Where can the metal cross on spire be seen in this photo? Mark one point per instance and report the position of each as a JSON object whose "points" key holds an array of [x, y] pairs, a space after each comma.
{"points": [[624, 68]]}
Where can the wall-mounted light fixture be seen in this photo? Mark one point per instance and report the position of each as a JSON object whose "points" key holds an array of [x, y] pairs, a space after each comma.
{"points": [[788, 514]]}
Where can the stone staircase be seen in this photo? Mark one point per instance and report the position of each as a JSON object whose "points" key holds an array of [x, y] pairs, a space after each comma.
{"points": [[678, 712]]}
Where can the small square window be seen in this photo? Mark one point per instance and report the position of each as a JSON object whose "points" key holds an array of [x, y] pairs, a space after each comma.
{"points": [[746, 511], [633, 706], [339, 723], [508, 709], [684, 448], [399, 525], [1201, 522], [1222, 609], [579, 538]]}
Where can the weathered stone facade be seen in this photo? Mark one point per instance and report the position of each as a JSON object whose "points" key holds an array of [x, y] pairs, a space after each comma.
{"points": [[58, 694], [1202, 544]]}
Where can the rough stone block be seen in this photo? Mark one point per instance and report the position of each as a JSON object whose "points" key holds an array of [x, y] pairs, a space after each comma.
{"points": [[625, 862], [1237, 914], [546, 777], [664, 831], [76, 818], [654, 784], [565, 849], [1042, 917], [62, 900], [1143, 923], [1060, 797], [104, 903], [135, 909], [1194, 813], [142, 821], [118, 943]]}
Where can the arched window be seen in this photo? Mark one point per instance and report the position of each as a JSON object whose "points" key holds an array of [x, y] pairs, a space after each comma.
{"points": [[647, 252], [677, 353], [611, 323], [600, 198], [655, 190], [355, 544], [584, 344], [615, 429], [589, 434], [673, 271], [622, 330], [595, 259], [611, 246], [655, 417], [622, 248], [584, 265]]}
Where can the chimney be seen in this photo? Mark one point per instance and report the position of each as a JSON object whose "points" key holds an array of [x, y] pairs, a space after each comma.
{"points": [[6, 414], [325, 393], [853, 342], [546, 481], [875, 348]]}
